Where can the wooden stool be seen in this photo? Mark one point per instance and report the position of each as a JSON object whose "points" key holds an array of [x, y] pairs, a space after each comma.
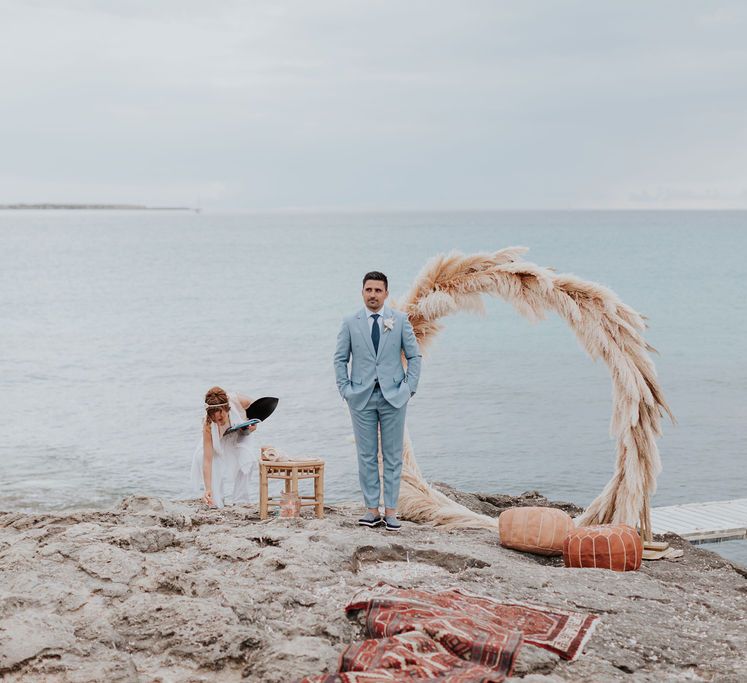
{"points": [[291, 471]]}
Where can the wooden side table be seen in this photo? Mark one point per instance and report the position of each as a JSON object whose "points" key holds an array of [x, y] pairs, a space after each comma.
{"points": [[291, 471]]}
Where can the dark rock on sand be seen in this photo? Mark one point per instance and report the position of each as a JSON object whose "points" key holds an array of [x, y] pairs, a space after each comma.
{"points": [[492, 504]]}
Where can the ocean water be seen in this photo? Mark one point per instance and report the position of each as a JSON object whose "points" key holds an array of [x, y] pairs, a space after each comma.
{"points": [[115, 323]]}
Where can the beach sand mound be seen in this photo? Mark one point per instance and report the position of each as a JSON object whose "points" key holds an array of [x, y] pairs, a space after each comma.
{"points": [[164, 591]]}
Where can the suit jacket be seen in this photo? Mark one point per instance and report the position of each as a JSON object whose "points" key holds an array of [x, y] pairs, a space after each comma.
{"points": [[354, 341]]}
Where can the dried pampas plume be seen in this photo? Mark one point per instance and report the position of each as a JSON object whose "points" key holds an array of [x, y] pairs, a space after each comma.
{"points": [[605, 327]]}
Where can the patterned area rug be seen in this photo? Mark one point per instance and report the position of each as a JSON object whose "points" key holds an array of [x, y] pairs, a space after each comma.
{"points": [[450, 636]]}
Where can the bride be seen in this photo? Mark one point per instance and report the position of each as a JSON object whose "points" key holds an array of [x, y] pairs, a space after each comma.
{"points": [[223, 464]]}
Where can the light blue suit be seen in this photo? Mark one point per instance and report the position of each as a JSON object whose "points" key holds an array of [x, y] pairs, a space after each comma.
{"points": [[377, 390]]}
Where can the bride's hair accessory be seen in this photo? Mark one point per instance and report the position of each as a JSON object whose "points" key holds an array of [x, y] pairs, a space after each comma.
{"points": [[215, 398]]}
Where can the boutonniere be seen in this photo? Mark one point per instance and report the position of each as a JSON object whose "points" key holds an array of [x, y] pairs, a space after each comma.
{"points": [[388, 324]]}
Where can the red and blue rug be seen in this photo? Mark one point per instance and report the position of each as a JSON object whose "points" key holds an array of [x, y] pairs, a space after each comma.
{"points": [[450, 636]]}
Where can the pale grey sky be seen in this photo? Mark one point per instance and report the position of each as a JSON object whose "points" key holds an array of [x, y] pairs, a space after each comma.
{"points": [[375, 104]]}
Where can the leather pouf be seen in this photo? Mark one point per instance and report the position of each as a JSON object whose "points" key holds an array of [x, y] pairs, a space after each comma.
{"points": [[608, 546], [534, 529]]}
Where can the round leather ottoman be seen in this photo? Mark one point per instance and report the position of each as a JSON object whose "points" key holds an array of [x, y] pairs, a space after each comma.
{"points": [[607, 546], [534, 529]]}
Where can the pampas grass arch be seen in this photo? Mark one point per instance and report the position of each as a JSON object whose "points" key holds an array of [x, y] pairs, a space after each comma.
{"points": [[605, 327]]}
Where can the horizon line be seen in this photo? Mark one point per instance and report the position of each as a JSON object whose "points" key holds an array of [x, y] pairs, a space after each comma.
{"points": [[120, 206]]}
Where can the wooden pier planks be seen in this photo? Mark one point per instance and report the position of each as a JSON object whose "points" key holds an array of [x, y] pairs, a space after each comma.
{"points": [[703, 522]]}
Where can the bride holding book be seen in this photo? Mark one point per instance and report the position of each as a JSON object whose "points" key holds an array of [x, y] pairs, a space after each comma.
{"points": [[224, 460]]}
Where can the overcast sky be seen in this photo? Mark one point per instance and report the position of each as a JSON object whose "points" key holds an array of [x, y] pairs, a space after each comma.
{"points": [[375, 104]]}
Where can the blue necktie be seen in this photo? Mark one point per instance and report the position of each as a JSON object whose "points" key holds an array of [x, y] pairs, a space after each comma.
{"points": [[375, 332]]}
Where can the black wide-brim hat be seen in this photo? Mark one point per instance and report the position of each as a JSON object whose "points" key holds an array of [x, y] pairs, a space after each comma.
{"points": [[262, 408]]}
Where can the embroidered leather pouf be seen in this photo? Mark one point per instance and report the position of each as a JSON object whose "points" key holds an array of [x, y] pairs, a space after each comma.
{"points": [[608, 546], [534, 529]]}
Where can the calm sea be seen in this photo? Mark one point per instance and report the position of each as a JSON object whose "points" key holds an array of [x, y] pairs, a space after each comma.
{"points": [[115, 323]]}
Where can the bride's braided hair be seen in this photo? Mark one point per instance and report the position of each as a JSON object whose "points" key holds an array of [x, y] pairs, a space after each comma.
{"points": [[215, 396]]}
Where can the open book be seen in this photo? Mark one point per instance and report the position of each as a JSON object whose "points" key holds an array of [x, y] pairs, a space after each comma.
{"points": [[242, 425], [258, 411]]}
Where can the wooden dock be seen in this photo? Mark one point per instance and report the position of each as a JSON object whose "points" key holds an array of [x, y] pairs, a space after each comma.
{"points": [[724, 520]]}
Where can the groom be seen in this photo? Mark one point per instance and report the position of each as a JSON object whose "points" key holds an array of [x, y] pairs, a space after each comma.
{"points": [[377, 390]]}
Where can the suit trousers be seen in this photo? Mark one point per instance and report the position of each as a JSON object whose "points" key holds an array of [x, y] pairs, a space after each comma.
{"points": [[379, 413]]}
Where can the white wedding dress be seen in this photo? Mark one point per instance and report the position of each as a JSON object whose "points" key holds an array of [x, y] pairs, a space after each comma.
{"points": [[234, 461]]}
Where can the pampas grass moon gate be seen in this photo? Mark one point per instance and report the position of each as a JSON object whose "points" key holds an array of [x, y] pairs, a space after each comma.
{"points": [[605, 327]]}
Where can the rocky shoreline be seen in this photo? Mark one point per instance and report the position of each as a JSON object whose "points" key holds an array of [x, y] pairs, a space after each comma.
{"points": [[154, 590]]}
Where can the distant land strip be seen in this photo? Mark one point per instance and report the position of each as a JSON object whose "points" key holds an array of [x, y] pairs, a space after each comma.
{"points": [[96, 207]]}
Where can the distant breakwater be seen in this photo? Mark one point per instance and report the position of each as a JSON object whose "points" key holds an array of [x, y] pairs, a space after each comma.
{"points": [[94, 207]]}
